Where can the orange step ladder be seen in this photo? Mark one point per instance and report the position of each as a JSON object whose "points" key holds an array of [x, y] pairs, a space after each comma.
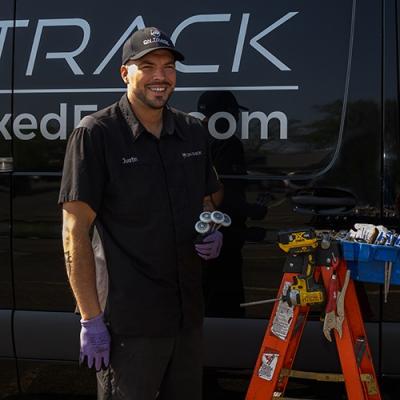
{"points": [[274, 363]]}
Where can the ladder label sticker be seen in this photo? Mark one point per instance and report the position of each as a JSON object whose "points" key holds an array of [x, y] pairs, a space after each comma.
{"points": [[283, 317], [269, 360]]}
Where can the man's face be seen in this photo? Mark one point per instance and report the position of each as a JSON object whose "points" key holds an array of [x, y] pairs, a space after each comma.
{"points": [[151, 79]]}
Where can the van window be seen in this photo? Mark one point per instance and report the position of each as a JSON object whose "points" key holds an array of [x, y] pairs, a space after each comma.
{"points": [[288, 69]]}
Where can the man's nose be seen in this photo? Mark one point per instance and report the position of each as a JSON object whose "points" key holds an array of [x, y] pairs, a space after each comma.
{"points": [[159, 74]]}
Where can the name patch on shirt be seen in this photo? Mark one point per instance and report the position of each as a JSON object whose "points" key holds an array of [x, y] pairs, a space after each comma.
{"points": [[192, 154], [130, 160]]}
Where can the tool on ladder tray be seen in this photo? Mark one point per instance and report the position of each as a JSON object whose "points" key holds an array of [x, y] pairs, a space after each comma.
{"points": [[303, 290], [390, 241], [314, 274], [330, 320], [334, 311], [340, 304]]}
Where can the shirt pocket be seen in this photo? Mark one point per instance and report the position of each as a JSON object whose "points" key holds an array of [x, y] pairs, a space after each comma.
{"points": [[139, 190]]}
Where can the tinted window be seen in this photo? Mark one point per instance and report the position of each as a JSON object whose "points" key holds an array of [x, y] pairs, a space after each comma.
{"points": [[290, 79]]}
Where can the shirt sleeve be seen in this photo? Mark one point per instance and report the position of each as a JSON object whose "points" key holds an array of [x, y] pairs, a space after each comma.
{"points": [[84, 171]]}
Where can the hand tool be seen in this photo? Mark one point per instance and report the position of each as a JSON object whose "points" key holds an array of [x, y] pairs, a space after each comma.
{"points": [[340, 304], [217, 217], [387, 278], [202, 227], [225, 221], [205, 216], [330, 320], [390, 241], [208, 224], [360, 348]]}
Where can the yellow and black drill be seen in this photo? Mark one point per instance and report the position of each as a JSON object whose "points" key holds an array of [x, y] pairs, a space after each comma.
{"points": [[300, 246]]}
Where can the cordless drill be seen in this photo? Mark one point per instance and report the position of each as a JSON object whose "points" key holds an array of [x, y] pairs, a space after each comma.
{"points": [[300, 246]]}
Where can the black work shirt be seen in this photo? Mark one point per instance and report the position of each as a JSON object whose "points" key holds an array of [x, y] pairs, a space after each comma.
{"points": [[147, 194]]}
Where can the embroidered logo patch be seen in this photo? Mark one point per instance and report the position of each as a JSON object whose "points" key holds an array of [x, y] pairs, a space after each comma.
{"points": [[192, 154], [130, 160], [155, 32]]}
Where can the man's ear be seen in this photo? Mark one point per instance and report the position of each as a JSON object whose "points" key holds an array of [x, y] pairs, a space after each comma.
{"points": [[124, 73]]}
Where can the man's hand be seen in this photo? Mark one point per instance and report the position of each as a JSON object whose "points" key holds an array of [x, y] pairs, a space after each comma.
{"points": [[95, 343], [210, 247]]}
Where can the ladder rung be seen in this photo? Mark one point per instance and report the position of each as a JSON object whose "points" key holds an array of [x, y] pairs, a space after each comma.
{"points": [[371, 384], [317, 376]]}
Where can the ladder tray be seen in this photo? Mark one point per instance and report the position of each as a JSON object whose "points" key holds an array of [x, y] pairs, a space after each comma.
{"points": [[367, 261]]}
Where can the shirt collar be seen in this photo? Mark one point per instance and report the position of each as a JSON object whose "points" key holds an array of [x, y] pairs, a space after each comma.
{"points": [[137, 128]]}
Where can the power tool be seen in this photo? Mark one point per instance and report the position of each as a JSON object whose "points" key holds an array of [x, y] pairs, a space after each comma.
{"points": [[300, 246]]}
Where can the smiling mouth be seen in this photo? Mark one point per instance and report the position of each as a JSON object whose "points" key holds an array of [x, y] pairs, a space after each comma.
{"points": [[158, 89]]}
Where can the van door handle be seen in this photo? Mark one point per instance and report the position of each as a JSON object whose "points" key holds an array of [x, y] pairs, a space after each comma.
{"points": [[319, 204], [325, 211], [6, 164]]}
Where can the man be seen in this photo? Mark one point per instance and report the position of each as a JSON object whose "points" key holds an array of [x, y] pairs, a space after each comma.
{"points": [[223, 282], [138, 174]]}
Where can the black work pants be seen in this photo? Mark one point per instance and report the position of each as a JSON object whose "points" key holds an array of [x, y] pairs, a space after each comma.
{"points": [[163, 368]]}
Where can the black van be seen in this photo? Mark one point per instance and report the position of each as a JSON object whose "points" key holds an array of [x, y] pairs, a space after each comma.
{"points": [[301, 101]]}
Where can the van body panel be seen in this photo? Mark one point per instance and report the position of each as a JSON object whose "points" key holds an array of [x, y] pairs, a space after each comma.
{"points": [[315, 142], [40, 276], [6, 290], [240, 350], [42, 326], [6, 337], [390, 346]]}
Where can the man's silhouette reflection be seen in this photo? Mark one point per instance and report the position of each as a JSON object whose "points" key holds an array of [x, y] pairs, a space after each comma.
{"points": [[223, 283]]}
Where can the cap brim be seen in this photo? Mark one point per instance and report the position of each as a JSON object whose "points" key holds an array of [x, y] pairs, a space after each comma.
{"points": [[178, 56]]}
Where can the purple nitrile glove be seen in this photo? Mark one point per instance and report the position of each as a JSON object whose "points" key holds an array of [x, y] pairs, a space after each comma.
{"points": [[95, 342], [210, 247]]}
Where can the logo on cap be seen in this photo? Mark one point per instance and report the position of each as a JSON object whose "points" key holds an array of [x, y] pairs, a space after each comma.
{"points": [[155, 32]]}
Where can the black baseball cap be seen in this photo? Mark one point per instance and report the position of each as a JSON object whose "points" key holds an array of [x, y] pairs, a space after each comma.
{"points": [[214, 101], [144, 41]]}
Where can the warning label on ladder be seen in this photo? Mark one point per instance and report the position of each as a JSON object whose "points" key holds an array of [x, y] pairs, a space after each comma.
{"points": [[283, 317], [268, 364]]}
